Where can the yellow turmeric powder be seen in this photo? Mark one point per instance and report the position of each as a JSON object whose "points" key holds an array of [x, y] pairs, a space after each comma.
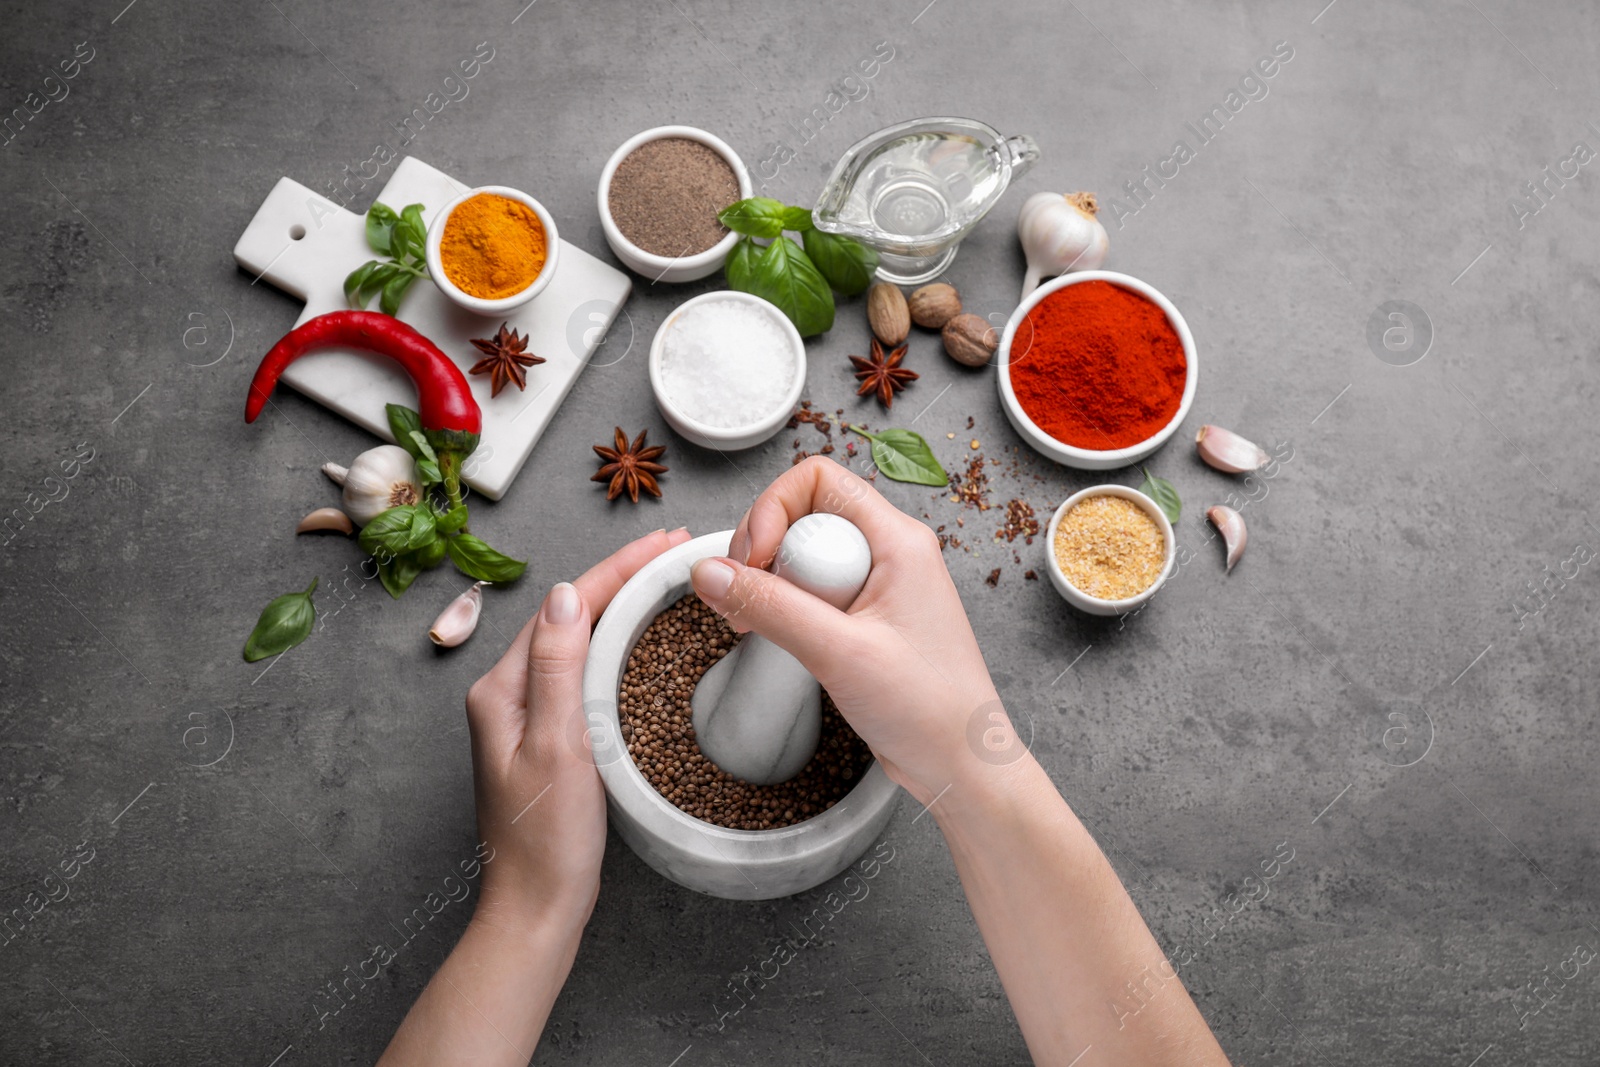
{"points": [[493, 247]]}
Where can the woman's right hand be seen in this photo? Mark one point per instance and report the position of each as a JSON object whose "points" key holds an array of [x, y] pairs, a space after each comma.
{"points": [[902, 664]]}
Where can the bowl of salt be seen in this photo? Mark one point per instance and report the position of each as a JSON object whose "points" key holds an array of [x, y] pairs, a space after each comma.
{"points": [[727, 369]]}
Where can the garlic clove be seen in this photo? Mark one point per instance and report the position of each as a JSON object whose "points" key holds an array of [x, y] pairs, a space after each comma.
{"points": [[1230, 524], [1227, 451], [326, 519], [336, 472], [457, 621]]}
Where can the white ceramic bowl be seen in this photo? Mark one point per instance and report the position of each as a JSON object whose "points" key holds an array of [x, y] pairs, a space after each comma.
{"points": [[1092, 604], [726, 439], [552, 241], [668, 268], [734, 864], [1087, 458]]}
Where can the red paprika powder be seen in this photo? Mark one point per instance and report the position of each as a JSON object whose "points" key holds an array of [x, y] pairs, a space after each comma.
{"points": [[1098, 366]]}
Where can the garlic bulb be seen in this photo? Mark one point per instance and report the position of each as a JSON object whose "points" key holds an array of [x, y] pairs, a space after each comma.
{"points": [[379, 479], [1060, 234], [456, 622]]}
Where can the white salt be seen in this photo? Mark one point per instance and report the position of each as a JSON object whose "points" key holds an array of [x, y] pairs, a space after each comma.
{"points": [[727, 364]]}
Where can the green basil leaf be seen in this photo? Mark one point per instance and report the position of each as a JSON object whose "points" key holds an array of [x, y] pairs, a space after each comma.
{"points": [[428, 471], [403, 422], [389, 534], [411, 222], [1162, 492], [424, 449], [797, 219], [477, 560], [400, 246], [785, 277], [422, 532], [848, 265], [381, 275], [398, 573], [380, 218], [394, 291], [284, 623], [741, 264], [355, 280], [905, 457], [452, 520], [432, 554], [758, 216]]}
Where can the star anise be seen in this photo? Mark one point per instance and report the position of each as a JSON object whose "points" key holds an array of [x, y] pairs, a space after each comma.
{"points": [[507, 355], [631, 467], [883, 374]]}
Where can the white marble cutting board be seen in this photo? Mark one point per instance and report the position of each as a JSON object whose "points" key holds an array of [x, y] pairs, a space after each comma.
{"points": [[305, 245]]}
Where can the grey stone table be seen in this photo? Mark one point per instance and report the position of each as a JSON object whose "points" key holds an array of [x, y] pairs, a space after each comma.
{"points": [[1376, 709]]}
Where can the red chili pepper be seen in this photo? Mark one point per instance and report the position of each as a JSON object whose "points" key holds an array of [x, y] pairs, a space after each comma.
{"points": [[444, 399]]}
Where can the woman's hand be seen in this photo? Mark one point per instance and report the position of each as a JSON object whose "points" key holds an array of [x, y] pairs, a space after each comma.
{"points": [[902, 665], [543, 813], [904, 668], [541, 808]]}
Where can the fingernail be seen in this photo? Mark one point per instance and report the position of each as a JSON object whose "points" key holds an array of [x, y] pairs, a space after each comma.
{"points": [[712, 577], [739, 547], [564, 605], [679, 530]]}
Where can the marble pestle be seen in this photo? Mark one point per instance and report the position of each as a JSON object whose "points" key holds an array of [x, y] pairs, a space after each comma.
{"points": [[757, 711]]}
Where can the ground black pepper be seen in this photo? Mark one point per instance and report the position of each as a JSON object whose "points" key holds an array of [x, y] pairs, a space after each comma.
{"points": [[664, 196], [653, 702]]}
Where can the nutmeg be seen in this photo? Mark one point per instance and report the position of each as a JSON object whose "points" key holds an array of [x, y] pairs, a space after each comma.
{"points": [[887, 314], [934, 305], [970, 340]]}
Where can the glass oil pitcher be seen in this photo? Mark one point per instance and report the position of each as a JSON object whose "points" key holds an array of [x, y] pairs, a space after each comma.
{"points": [[912, 191]]}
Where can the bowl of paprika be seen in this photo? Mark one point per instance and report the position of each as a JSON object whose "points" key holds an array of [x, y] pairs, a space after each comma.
{"points": [[492, 249], [1097, 369]]}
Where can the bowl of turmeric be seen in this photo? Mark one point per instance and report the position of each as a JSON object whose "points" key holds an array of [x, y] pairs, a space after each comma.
{"points": [[492, 249]]}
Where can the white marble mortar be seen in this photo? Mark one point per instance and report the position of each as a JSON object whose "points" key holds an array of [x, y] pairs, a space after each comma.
{"points": [[734, 864]]}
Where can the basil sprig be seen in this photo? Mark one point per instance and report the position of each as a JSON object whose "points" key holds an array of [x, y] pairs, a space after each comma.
{"points": [[904, 456], [1163, 493], [284, 623], [402, 237], [799, 280], [411, 538], [403, 541]]}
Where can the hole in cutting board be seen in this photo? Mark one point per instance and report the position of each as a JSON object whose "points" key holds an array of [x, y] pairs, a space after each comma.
{"points": [[296, 232]]}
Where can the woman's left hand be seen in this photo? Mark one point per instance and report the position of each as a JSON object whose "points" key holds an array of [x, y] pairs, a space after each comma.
{"points": [[541, 808], [542, 813]]}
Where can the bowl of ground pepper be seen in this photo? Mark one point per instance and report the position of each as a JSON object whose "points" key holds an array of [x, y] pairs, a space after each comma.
{"points": [[660, 193], [684, 816], [1097, 369], [492, 249], [1108, 549]]}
